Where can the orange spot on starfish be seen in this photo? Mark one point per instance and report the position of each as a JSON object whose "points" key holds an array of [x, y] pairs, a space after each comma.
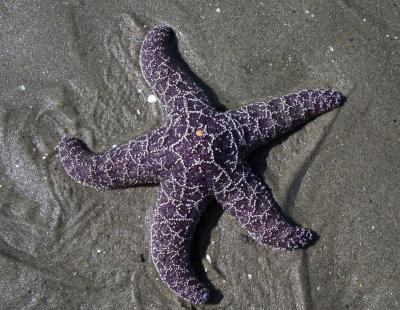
{"points": [[199, 132]]}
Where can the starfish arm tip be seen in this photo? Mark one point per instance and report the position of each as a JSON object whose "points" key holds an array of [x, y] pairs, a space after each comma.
{"points": [[204, 297], [340, 98], [300, 238]]}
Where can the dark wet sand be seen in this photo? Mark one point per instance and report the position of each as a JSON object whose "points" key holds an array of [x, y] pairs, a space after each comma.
{"points": [[72, 67]]}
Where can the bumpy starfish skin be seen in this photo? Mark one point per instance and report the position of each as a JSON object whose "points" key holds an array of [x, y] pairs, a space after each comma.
{"points": [[199, 154]]}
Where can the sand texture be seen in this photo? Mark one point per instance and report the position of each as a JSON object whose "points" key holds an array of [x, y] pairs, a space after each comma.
{"points": [[72, 67]]}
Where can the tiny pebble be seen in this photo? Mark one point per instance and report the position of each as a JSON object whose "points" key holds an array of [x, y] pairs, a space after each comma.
{"points": [[218, 10], [151, 99], [331, 48], [114, 146], [250, 276], [22, 87], [208, 258], [98, 251], [244, 238]]}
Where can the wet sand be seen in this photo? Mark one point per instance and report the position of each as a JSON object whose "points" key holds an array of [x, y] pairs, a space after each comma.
{"points": [[72, 67]]}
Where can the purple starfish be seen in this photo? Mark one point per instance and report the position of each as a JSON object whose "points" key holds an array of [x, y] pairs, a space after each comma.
{"points": [[200, 153]]}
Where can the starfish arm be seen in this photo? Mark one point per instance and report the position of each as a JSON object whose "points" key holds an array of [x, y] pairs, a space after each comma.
{"points": [[174, 224], [137, 162], [245, 197], [172, 82], [262, 122]]}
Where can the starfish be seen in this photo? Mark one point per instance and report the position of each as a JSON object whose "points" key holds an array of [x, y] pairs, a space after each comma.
{"points": [[199, 155]]}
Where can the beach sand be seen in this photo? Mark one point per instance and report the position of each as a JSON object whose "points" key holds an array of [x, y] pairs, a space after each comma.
{"points": [[72, 67]]}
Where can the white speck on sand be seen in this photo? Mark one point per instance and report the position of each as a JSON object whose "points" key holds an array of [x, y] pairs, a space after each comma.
{"points": [[114, 146], [308, 12], [138, 111], [250, 276], [218, 10], [151, 99], [21, 87], [331, 48], [208, 258], [98, 251]]}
